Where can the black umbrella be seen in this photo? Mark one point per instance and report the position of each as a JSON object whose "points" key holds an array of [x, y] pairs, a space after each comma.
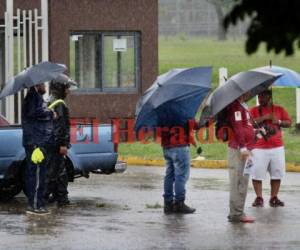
{"points": [[252, 81]]}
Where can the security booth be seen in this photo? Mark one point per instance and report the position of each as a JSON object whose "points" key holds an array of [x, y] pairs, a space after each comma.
{"points": [[109, 46]]}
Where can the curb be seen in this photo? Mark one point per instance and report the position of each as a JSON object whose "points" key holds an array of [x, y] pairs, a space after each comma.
{"points": [[210, 164]]}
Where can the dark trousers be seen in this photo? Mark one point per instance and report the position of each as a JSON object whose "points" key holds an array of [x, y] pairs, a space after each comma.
{"points": [[35, 179], [57, 178]]}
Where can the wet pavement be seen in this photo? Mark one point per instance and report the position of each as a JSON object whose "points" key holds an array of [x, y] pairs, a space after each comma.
{"points": [[124, 211]]}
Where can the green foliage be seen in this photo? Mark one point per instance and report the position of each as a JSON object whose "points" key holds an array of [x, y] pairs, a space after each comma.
{"points": [[275, 22]]}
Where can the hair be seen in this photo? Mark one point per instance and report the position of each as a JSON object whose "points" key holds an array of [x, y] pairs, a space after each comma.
{"points": [[266, 92], [57, 89]]}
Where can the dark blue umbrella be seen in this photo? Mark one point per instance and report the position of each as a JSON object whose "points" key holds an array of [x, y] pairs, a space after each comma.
{"points": [[174, 98], [289, 78]]}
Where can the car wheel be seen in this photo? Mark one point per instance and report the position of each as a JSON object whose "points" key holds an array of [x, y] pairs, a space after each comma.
{"points": [[7, 192]]}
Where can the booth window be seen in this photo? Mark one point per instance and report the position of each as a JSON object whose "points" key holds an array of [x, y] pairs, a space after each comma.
{"points": [[105, 61]]}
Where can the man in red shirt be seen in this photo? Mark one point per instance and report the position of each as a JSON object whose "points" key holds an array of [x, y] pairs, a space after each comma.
{"points": [[241, 142], [268, 153]]}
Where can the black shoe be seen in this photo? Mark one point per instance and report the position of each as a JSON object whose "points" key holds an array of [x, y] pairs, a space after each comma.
{"points": [[181, 208], [168, 207]]}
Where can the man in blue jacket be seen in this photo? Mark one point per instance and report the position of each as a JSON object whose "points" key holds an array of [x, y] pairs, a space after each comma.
{"points": [[37, 124]]}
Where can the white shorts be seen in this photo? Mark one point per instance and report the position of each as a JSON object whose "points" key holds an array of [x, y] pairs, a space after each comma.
{"points": [[263, 160]]}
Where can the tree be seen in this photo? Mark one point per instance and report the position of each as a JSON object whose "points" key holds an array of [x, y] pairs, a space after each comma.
{"points": [[275, 22], [221, 7]]}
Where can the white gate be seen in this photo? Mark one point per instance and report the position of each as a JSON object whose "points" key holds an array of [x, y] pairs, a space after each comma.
{"points": [[26, 43]]}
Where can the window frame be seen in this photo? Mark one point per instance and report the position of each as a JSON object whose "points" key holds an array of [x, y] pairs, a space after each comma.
{"points": [[137, 62]]}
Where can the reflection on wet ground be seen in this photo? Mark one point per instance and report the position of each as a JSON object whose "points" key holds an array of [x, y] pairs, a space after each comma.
{"points": [[124, 211]]}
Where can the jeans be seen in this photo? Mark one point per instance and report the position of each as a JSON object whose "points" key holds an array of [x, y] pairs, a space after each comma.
{"points": [[177, 172]]}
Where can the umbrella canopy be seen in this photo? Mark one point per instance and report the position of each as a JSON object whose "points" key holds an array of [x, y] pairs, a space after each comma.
{"points": [[289, 78], [39, 73], [252, 81], [174, 98]]}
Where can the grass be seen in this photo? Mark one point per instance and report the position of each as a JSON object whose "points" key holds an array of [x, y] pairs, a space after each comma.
{"points": [[176, 53]]}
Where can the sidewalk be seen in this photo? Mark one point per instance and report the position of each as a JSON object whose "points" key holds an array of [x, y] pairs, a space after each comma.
{"points": [[211, 164]]}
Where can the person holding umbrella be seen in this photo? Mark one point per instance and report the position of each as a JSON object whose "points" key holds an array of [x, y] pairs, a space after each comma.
{"points": [[37, 125], [240, 144], [167, 107], [175, 142], [38, 137], [230, 98], [268, 153]]}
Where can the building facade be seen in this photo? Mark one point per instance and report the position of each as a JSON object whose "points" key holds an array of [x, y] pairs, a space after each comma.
{"points": [[109, 46]]}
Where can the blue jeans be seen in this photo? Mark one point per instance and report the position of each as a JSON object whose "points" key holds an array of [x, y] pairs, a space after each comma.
{"points": [[177, 172]]}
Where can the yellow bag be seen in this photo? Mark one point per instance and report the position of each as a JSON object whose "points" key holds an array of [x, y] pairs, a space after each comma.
{"points": [[37, 156]]}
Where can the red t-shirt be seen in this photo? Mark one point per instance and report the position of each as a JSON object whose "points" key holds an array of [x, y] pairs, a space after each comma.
{"points": [[280, 114], [241, 124]]}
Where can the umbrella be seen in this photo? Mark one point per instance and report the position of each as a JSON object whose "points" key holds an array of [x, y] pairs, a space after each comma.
{"points": [[174, 98], [252, 81], [39, 73], [290, 78]]}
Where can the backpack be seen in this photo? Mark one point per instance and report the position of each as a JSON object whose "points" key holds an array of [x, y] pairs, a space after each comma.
{"points": [[222, 126]]}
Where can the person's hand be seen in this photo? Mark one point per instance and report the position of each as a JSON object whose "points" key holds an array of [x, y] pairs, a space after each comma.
{"points": [[63, 150], [55, 116], [276, 121]]}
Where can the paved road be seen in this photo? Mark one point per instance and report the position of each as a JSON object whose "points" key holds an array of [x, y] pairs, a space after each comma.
{"points": [[123, 211]]}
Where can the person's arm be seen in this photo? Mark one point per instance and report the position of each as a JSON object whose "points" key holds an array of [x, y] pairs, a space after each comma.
{"points": [[261, 119], [36, 109], [62, 132], [257, 118], [285, 121]]}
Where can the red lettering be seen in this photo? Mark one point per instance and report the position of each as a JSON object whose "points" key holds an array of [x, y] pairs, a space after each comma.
{"points": [[129, 123]]}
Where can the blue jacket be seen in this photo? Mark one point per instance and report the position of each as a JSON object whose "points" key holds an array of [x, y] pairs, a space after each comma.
{"points": [[37, 121]]}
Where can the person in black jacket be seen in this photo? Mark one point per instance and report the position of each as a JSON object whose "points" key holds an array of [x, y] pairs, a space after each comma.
{"points": [[37, 125], [57, 178]]}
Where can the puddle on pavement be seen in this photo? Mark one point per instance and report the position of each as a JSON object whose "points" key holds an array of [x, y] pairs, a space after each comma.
{"points": [[144, 186], [209, 184], [15, 221]]}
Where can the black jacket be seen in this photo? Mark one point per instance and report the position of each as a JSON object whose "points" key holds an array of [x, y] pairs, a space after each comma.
{"points": [[62, 125], [37, 121]]}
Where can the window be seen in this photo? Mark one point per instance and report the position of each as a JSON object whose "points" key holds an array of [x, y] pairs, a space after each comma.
{"points": [[105, 61]]}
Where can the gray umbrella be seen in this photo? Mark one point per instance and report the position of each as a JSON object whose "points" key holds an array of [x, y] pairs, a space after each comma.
{"points": [[252, 81], [39, 73]]}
